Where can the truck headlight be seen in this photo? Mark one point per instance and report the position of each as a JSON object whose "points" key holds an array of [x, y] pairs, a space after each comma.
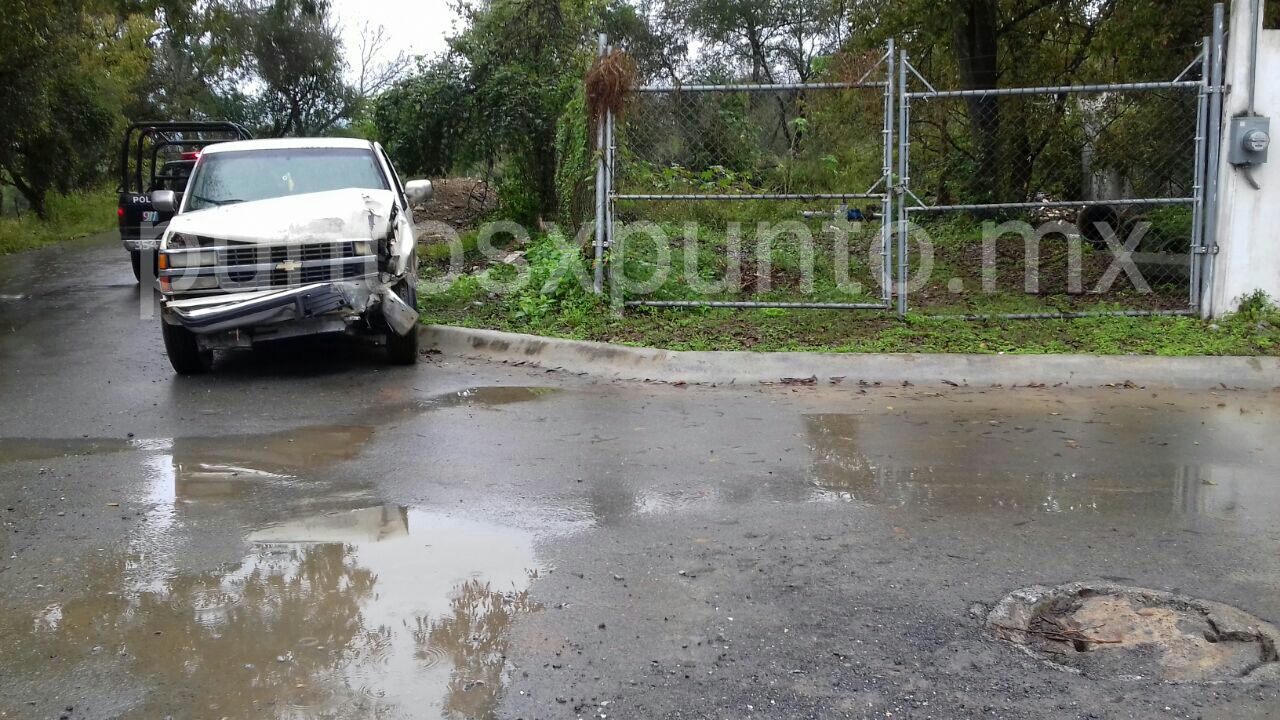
{"points": [[364, 247], [192, 259]]}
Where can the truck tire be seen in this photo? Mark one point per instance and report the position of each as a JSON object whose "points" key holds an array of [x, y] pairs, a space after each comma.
{"points": [[135, 259], [403, 349], [184, 353]]}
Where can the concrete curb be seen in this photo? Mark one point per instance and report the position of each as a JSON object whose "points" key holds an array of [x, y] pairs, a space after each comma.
{"points": [[628, 363]]}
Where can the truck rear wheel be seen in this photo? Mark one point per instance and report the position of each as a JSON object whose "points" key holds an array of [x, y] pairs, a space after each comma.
{"points": [[403, 349], [184, 353]]}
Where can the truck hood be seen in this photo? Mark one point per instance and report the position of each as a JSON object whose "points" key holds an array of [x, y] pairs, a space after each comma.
{"points": [[351, 214]]}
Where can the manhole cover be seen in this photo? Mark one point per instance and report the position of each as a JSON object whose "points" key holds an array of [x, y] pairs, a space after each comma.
{"points": [[1104, 630]]}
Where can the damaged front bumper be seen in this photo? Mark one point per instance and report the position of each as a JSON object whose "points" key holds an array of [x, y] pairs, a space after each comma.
{"points": [[303, 310]]}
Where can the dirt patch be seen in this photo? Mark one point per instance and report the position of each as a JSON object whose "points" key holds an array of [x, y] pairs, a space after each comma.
{"points": [[1112, 631], [457, 202]]}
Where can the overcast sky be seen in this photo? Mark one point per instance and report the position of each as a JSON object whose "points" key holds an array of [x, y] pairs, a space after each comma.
{"points": [[418, 27]]}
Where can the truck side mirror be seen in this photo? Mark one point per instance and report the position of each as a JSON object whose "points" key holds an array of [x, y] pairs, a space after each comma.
{"points": [[419, 191], [164, 201]]}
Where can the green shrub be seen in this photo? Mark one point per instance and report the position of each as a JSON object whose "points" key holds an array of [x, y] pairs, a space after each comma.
{"points": [[70, 216]]}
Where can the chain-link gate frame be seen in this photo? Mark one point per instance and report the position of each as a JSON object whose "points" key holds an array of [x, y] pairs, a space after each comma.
{"points": [[899, 200], [1201, 200], [607, 195]]}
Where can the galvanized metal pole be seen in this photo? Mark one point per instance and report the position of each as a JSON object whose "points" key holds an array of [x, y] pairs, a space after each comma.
{"points": [[904, 146], [886, 212], [610, 159], [1217, 71], [601, 197], [1197, 213]]}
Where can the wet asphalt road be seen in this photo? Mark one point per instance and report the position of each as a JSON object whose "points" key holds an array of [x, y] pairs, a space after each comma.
{"points": [[310, 533]]}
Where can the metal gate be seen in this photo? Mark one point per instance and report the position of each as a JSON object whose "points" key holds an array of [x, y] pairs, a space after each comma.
{"points": [[1060, 201], [695, 153], [1015, 202]]}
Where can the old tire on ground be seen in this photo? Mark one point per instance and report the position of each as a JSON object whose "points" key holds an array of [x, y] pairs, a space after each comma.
{"points": [[403, 349], [184, 353]]}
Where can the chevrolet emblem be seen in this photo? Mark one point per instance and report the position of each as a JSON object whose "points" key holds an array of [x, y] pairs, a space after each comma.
{"points": [[289, 266]]}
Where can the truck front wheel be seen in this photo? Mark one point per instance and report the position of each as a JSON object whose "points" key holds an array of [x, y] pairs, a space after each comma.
{"points": [[184, 353], [403, 349]]}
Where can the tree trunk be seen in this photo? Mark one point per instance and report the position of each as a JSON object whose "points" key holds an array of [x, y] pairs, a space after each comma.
{"points": [[976, 45], [35, 196]]}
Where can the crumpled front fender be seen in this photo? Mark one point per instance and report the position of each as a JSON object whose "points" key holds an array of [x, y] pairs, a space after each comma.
{"points": [[202, 316], [216, 314]]}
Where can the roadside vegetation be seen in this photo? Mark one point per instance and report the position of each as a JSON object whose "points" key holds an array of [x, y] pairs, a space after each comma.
{"points": [[75, 73], [69, 217], [506, 103], [552, 302]]}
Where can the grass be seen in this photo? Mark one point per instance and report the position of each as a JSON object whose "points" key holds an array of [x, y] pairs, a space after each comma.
{"points": [[563, 309], [837, 331], [70, 216]]}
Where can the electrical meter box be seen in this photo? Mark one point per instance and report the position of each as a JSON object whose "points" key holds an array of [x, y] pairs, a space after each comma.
{"points": [[1250, 138]]}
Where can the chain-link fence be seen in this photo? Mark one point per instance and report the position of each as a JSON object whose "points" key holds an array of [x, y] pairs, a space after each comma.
{"points": [[1053, 200], [1011, 202], [754, 195]]}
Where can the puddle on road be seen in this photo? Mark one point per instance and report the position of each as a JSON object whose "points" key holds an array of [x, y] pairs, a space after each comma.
{"points": [[225, 467], [494, 396], [382, 612], [220, 466], [28, 449], [878, 462]]}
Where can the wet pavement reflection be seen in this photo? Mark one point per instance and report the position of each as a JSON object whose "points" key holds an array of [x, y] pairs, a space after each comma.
{"points": [[869, 460], [265, 575], [379, 612]]}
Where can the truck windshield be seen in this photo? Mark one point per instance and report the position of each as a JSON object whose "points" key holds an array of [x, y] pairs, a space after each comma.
{"points": [[248, 175]]}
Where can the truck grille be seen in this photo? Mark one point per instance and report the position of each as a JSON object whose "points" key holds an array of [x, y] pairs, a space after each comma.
{"points": [[261, 255], [281, 278], [255, 267]]}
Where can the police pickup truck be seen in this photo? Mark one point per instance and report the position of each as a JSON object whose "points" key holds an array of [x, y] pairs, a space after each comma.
{"points": [[159, 156]]}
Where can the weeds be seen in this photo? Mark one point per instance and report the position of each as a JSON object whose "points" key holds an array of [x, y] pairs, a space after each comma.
{"points": [[553, 303], [70, 216]]}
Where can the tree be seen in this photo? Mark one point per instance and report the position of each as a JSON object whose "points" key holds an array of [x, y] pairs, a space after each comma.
{"points": [[778, 40], [67, 69], [983, 44], [294, 51], [422, 120], [493, 101]]}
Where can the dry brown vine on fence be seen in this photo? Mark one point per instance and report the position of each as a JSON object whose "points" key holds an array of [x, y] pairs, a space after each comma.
{"points": [[609, 81]]}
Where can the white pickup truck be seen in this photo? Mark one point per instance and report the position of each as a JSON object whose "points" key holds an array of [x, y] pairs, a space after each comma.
{"points": [[283, 238]]}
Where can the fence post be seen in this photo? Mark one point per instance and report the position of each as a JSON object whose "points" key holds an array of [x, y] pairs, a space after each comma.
{"points": [[1217, 62], [1198, 214], [598, 264], [610, 178], [904, 147], [886, 212]]}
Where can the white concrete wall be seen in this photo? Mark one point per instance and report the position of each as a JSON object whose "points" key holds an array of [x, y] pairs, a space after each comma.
{"points": [[1248, 222]]}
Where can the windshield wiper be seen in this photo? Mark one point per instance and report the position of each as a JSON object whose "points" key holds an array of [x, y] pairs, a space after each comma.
{"points": [[219, 203]]}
